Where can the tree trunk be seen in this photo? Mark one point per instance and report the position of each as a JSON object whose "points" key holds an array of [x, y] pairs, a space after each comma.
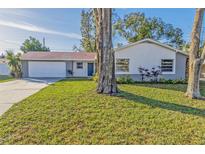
{"points": [[195, 61], [193, 89], [99, 39], [106, 58]]}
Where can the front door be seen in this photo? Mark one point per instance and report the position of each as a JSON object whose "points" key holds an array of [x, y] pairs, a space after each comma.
{"points": [[90, 69]]}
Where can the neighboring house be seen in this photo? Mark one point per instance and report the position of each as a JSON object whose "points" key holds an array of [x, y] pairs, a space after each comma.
{"points": [[4, 68], [145, 53]]}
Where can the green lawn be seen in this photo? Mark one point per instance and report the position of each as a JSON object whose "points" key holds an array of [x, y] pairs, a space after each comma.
{"points": [[70, 112], [5, 78]]}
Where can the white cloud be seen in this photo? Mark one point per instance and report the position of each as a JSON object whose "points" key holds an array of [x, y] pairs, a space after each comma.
{"points": [[16, 13], [34, 28], [11, 42]]}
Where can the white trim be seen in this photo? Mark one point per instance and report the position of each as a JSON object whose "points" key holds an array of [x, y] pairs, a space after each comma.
{"points": [[174, 67], [77, 62], [116, 65]]}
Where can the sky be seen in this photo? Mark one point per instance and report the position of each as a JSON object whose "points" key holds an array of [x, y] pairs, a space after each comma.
{"points": [[61, 27]]}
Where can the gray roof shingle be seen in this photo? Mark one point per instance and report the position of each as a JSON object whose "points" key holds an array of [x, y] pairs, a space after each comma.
{"points": [[58, 56]]}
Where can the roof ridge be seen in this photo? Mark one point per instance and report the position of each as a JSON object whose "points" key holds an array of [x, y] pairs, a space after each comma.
{"points": [[153, 41]]}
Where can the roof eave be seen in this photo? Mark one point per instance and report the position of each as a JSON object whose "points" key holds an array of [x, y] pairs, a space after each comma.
{"points": [[57, 59]]}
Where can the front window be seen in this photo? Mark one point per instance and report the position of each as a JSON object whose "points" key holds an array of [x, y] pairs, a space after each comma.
{"points": [[167, 65], [122, 65], [79, 65]]}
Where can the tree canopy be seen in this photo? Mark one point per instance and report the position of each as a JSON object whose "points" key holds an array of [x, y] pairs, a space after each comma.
{"points": [[32, 44], [88, 31], [135, 26]]}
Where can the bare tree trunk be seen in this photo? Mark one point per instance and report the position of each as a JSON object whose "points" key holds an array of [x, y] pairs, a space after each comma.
{"points": [[106, 58], [195, 60]]}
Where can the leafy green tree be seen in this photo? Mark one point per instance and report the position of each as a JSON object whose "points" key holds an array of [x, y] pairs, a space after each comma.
{"points": [[32, 44], [88, 31], [135, 26], [14, 63], [186, 47]]}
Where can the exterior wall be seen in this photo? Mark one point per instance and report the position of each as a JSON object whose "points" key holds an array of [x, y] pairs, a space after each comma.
{"points": [[24, 69], [70, 66], [146, 55], [149, 55], [4, 69], [180, 68], [81, 72]]}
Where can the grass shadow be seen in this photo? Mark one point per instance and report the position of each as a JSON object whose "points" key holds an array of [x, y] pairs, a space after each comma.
{"points": [[162, 104], [175, 87], [75, 79]]}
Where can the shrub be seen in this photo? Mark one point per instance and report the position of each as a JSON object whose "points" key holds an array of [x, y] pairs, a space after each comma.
{"points": [[124, 80], [155, 73], [151, 75], [95, 77], [177, 81], [161, 80]]}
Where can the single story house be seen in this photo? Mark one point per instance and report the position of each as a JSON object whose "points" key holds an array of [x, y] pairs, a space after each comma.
{"points": [[58, 64], [146, 53], [4, 68]]}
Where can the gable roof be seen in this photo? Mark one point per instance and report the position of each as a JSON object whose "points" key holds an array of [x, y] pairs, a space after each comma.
{"points": [[59, 56], [154, 42], [87, 55]]}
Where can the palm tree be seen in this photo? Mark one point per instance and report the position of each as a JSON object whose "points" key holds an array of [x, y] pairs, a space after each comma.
{"points": [[14, 63]]}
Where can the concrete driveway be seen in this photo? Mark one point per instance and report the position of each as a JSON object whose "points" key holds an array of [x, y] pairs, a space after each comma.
{"points": [[14, 91]]}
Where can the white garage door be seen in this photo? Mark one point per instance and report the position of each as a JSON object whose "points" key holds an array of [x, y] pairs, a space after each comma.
{"points": [[47, 69]]}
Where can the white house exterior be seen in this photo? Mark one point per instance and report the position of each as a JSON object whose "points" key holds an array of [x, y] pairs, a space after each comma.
{"points": [[146, 53], [4, 68], [58, 64]]}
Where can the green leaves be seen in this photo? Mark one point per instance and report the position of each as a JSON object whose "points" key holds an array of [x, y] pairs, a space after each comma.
{"points": [[14, 63], [88, 31], [135, 26], [32, 44]]}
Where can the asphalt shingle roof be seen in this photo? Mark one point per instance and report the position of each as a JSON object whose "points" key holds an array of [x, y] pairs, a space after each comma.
{"points": [[58, 56]]}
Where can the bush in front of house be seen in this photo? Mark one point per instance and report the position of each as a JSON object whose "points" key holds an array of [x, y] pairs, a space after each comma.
{"points": [[163, 81], [150, 75], [177, 81], [126, 79]]}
